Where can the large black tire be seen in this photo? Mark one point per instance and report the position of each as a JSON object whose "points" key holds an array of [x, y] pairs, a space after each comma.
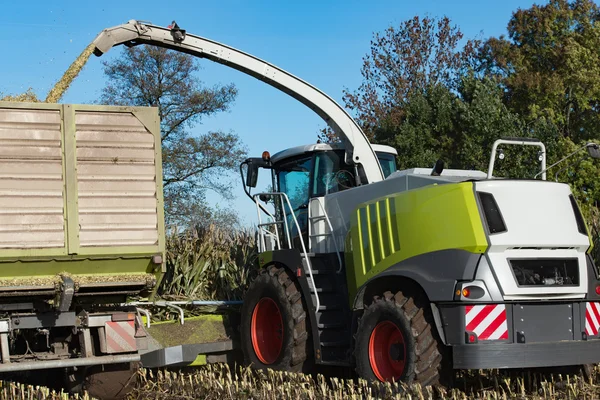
{"points": [[396, 340], [274, 327]]}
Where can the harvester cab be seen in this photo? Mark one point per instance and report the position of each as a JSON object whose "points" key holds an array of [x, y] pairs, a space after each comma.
{"points": [[298, 176]]}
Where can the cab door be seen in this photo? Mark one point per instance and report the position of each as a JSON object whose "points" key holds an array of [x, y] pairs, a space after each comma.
{"points": [[293, 179]]}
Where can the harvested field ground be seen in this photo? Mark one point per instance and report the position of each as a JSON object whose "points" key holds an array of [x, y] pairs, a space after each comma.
{"points": [[220, 382]]}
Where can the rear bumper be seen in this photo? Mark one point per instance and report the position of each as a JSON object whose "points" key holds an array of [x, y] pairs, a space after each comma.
{"points": [[526, 355]]}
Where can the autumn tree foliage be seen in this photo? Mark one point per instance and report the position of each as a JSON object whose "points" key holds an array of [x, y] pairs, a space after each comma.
{"points": [[192, 164], [420, 53]]}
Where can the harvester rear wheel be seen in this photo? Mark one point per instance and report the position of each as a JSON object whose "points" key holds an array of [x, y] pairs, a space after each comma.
{"points": [[396, 340], [274, 329]]}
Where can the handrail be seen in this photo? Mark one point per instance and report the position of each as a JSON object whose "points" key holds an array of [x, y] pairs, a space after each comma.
{"points": [[262, 244], [522, 142], [295, 220], [275, 221]]}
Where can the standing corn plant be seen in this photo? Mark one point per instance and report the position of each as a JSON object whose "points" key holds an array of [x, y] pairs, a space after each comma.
{"points": [[209, 263]]}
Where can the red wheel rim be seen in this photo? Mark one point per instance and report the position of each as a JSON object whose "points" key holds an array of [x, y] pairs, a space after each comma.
{"points": [[267, 330], [387, 351]]}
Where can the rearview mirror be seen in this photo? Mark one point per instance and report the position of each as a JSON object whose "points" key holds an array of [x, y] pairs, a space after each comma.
{"points": [[593, 150], [251, 174]]}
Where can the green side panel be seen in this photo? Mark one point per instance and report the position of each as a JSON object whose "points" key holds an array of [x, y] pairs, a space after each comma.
{"points": [[45, 272], [394, 228]]}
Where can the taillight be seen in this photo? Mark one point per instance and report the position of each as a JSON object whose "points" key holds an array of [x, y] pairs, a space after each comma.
{"points": [[471, 337], [578, 217], [468, 291], [491, 211]]}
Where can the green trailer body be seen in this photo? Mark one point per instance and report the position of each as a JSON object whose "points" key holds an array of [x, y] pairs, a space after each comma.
{"points": [[80, 196]]}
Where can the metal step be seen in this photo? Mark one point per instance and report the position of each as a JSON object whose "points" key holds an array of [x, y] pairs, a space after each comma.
{"points": [[323, 284], [339, 337], [331, 319], [330, 301], [338, 356], [329, 307], [321, 268], [321, 264]]}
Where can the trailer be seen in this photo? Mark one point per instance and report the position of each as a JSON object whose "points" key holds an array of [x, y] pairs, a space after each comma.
{"points": [[82, 233]]}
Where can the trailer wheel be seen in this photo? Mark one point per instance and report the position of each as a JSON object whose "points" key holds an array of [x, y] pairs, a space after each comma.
{"points": [[396, 340], [274, 330], [112, 381]]}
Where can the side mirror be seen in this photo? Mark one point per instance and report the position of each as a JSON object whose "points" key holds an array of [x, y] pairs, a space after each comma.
{"points": [[251, 174], [593, 150]]}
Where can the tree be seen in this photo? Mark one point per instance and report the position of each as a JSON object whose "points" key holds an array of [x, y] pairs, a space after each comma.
{"points": [[549, 65], [420, 53], [192, 165], [460, 126]]}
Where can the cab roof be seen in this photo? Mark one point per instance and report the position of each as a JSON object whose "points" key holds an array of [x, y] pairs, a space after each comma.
{"points": [[309, 148]]}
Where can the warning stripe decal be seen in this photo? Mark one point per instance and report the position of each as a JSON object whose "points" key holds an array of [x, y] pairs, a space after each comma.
{"points": [[592, 318], [120, 337], [488, 321]]}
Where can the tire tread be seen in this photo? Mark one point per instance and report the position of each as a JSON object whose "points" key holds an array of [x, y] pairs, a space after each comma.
{"points": [[428, 362]]}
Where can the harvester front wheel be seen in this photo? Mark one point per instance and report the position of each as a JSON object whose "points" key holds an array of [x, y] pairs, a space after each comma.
{"points": [[274, 330], [396, 340]]}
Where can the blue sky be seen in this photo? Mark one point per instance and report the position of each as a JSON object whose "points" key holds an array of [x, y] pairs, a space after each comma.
{"points": [[321, 42]]}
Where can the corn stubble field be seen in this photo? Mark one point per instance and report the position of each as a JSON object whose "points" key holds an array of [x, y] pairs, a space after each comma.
{"points": [[221, 382], [217, 264]]}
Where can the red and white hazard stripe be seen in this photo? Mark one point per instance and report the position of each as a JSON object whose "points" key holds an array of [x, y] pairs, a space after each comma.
{"points": [[488, 322], [120, 337], [592, 318]]}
